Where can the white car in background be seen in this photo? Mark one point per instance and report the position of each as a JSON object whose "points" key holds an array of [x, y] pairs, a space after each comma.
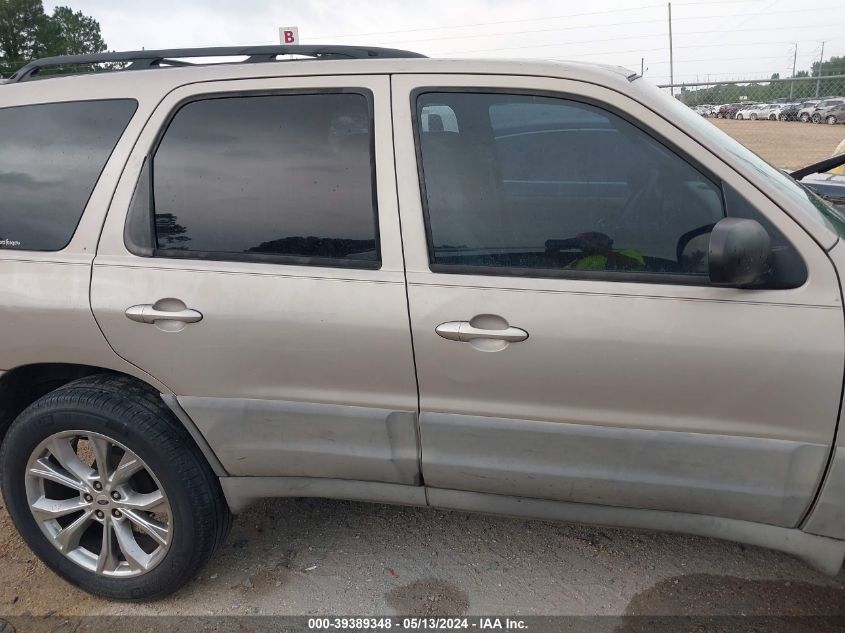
{"points": [[748, 112], [770, 111]]}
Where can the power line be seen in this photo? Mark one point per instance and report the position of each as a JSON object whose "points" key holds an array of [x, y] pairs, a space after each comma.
{"points": [[572, 28], [465, 36], [715, 59], [629, 37], [462, 26], [566, 16]]}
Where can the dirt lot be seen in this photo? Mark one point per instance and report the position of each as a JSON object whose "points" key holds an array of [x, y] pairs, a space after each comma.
{"points": [[785, 144], [317, 557]]}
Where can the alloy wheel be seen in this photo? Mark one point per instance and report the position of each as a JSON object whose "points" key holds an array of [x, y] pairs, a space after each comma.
{"points": [[99, 503]]}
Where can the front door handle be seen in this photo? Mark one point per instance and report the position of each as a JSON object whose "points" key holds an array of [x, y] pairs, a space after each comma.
{"points": [[465, 332], [148, 313]]}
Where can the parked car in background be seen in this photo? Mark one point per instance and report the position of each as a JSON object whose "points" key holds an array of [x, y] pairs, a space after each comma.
{"points": [[748, 112], [835, 115], [789, 112], [728, 110], [806, 110], [820, 114], [706, 109], [769, 111]]}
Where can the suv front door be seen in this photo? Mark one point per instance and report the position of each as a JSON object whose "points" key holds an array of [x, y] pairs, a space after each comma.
{"points": [[259, 275], [568, 343]]}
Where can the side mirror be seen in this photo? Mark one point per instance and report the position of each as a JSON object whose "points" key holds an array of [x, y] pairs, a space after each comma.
{"points": [[738, 253]]}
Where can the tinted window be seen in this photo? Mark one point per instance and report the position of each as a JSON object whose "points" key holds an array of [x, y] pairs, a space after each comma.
{"points": [[539, 183], [279, 176], [51, 157]]}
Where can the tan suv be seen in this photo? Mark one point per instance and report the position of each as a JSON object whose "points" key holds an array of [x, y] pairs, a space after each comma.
{"points": [[538, 289]]}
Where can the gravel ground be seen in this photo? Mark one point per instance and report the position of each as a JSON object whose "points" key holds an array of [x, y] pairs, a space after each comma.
{"points": [[785, 144], [302, 557]]}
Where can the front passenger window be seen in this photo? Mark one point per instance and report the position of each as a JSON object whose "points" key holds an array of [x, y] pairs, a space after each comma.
{"points": [[532, 185]]}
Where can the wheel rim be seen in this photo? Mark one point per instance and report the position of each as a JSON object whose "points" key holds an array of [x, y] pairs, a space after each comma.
{"points": [[98, 503], [831, 120]]}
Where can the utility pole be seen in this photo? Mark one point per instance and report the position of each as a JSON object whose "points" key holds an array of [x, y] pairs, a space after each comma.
{"points": [[671, 59], [794, 62], [819, 80]]}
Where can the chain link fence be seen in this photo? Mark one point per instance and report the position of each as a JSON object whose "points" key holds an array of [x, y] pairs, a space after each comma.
{"points": [[789, 122]]}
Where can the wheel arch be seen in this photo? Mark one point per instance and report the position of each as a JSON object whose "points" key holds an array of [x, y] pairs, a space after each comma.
{"points": [[23, 385]]}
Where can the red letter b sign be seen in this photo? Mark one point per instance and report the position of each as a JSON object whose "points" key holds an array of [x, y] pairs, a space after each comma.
{"points": [[289, 35]]}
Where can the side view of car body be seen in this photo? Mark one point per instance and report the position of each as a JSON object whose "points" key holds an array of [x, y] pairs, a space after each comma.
{"points": [[728, 110], [538, 289], [749, 112], [806, 111], [789, 112], [823, 108], [833, 115], [770, 111]]}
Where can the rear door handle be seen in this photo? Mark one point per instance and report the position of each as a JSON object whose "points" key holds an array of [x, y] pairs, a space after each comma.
{"points": [[147, 313], [464, 332]]}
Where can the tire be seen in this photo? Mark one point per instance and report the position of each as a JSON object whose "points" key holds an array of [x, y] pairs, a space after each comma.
{"points": [[831, 120], [753, 117], [804, 117], [739, 117], [773, 117], [817, 118], [120, 414]]}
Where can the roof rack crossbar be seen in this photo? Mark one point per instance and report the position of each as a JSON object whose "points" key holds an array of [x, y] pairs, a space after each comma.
{"points": [[175, 57]]}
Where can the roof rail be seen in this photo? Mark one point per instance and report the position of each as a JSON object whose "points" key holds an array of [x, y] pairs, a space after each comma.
{"points": [[139, 60]]}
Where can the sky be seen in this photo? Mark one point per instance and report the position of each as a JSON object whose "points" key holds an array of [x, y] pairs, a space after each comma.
{"points": [[713, 40]]}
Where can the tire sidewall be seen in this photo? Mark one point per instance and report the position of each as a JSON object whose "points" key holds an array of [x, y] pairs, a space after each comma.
{"points": [[31, 428]]}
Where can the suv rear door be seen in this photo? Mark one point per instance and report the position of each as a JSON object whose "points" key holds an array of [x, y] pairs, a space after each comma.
{"points": [[568, 343], [259, 275]]}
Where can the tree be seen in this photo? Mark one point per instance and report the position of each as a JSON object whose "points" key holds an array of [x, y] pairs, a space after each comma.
{"points": [[26, 32], [20, 24], [69, 33], [833, 66]]}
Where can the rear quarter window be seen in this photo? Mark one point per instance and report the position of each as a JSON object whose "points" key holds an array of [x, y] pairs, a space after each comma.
{"points": [[51, 156]]}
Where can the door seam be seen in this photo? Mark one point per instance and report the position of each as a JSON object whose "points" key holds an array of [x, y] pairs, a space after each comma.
{"points": [[407, 295], [825, 472]]}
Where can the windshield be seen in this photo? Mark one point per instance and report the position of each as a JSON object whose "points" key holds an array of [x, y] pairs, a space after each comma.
{"points": [[814, 207]]}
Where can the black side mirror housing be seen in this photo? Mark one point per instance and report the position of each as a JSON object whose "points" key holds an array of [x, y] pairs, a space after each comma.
{"points": [[739, 253]]}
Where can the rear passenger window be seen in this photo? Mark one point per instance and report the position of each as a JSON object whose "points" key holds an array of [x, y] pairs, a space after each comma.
{"points": [[539, 185], [51, 157], [286, 178]]}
